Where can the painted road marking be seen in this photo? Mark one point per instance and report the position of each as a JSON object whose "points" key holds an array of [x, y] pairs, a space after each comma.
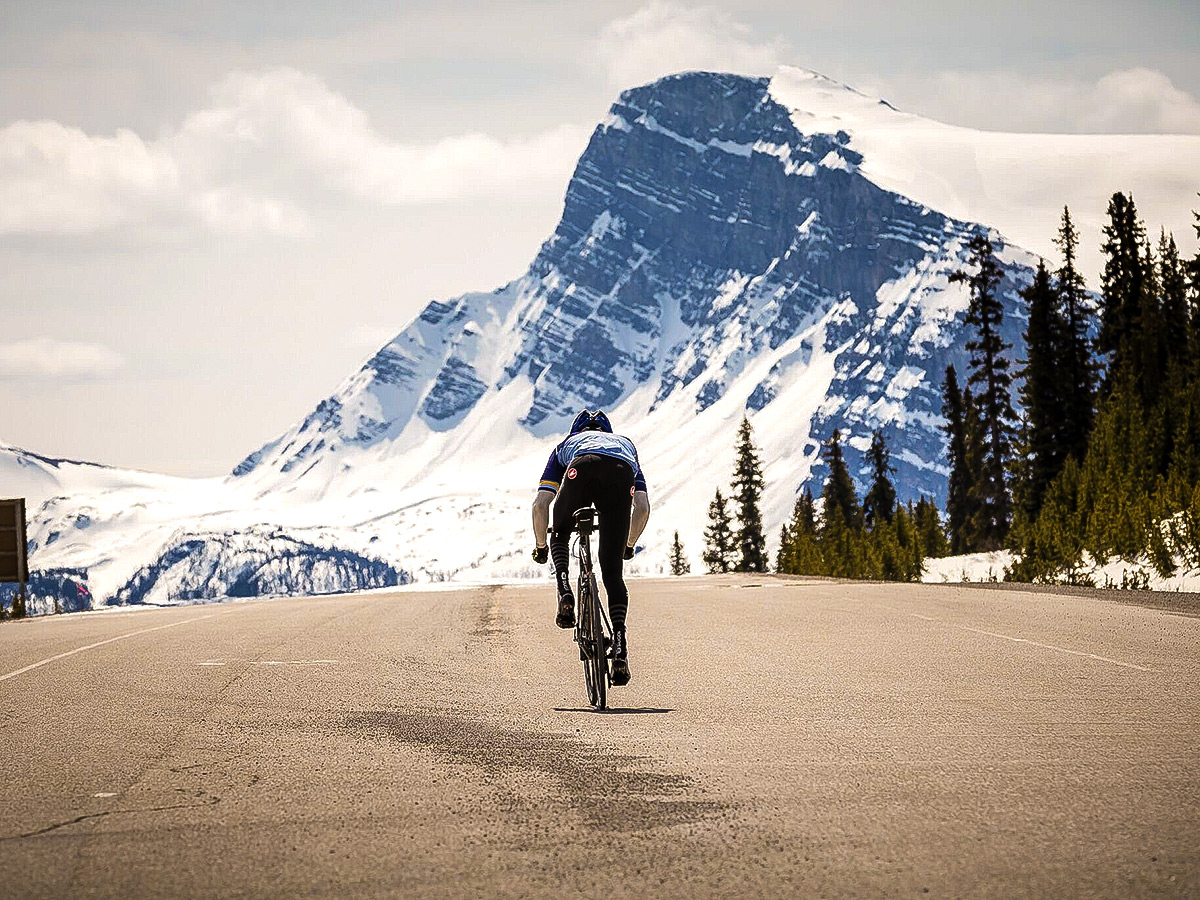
{"points": [[1019, 640], [105, 794], [120, 637], [269, 662]]}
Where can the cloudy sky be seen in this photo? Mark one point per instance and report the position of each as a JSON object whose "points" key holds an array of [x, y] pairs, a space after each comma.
{"points": [[211, 213]]}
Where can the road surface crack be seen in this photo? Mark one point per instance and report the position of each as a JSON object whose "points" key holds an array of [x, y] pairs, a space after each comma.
{"points": [[108, 812]]}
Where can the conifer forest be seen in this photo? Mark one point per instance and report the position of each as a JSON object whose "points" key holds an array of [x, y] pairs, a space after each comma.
{"points": [[1102, 462]]}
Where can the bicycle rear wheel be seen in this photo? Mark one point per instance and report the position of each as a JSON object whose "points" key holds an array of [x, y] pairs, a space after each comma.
{"points": [[591, 644], [583, 635], [599, 655]]}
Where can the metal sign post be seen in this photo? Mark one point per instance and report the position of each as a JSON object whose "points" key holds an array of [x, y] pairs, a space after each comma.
{"points": [[14, 566]]}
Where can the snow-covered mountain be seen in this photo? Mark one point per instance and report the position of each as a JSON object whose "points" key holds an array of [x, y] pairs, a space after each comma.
{"points": [[141, 537], [712, 260], [38, 478], [729, 246]]}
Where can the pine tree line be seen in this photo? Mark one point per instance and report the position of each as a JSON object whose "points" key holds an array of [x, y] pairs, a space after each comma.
{"points": [[877, 538], [1126, 478], [1105, 459], [880, 539]]}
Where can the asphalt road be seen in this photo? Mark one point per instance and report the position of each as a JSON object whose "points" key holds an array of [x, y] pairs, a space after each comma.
{"points": [[782, 738]]}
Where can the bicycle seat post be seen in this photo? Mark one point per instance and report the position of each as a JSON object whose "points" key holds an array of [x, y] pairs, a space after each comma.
{"points": [[585, 520]]}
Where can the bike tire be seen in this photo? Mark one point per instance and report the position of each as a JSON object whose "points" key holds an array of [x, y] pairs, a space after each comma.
{"points": [[599, 651], [587, 648]]}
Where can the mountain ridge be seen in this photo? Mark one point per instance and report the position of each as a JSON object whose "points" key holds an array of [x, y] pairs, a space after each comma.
{"points": [[721, 253], [644, 247]]}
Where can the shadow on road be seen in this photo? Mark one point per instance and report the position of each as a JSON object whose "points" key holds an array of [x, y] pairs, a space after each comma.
{"points": [[614, 711], [612, 791]]}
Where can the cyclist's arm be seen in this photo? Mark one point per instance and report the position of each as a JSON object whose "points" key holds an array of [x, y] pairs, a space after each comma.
{"points": [[641, 504], [541, 517], [638, 517], [551, 479]]}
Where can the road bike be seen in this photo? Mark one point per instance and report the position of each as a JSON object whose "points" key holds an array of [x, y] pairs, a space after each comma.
{"points": [[593, 631]]}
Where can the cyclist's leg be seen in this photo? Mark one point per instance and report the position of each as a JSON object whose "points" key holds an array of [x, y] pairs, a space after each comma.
{"points": [[569, 499], [613, 501]]}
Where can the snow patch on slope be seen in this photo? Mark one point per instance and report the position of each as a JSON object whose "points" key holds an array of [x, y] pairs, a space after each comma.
{"points": [[1016, 183], [38, 478]]}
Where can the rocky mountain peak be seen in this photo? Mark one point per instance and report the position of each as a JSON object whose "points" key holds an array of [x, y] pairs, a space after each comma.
{"points": [[717, 251]]}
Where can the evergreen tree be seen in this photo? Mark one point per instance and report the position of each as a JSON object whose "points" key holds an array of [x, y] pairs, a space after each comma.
{"points": [[803, 553], [887, 559], [799, 553], [880, 503], [897, 547], [977, 514], [1179, 496], [1131, 327], [1054, 541], [1119, 475], [679, 560], [1076, 363], [1122, 282], [840, 537], [1151, 334], [989, 372], [958, 503], [930, 534], [804, 515], [1042, 395], [1020, 477], [1172, 283], [718, 536], [747, 490], [1193, 273], [783, 556], [842, 547], [839, 487]]}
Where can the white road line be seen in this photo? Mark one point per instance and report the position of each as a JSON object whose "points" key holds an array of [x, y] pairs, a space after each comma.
{"points": [[1018, 640], [120, 637], [269, 662]]}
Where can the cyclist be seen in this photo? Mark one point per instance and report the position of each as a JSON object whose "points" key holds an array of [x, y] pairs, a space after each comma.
{"points": [[593, 465]]}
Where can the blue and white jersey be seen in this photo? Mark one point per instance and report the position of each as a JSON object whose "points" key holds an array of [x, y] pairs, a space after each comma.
{"points": [[599, 442]]}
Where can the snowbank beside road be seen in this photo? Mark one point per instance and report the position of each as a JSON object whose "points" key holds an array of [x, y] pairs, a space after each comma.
{"points": [[971, 567], [1116, 573]]}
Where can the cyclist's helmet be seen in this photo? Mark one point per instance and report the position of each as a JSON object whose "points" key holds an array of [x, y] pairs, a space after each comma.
{"points": [[591, 421]]}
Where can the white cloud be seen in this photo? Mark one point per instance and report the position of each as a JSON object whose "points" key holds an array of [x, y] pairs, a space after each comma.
{"points": [[57, 178], [663, 37], [1126, 101], [269, 149], [1141, 100], [46, 357]]}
